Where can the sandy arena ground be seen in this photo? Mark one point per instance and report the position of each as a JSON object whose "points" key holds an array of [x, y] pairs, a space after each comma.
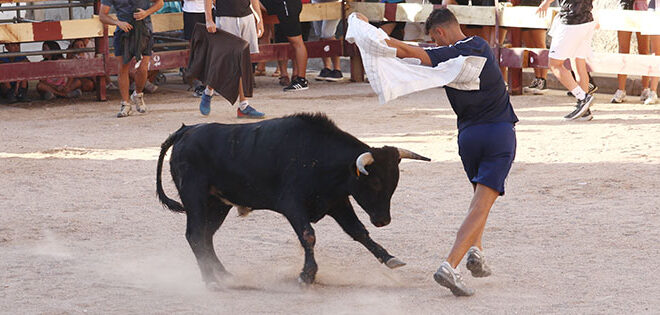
{"points": [[81, 229]]}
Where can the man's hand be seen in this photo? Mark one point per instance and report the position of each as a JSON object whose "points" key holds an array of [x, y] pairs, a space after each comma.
{"points": [[124, 26], [210, 26], [361, 17], [140, 14], [543, 8]]}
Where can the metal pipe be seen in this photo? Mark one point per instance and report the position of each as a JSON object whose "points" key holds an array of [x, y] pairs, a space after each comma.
{"points": [[70, 11], [157, 36], [18, 7], [177, 44], [45, 52]]}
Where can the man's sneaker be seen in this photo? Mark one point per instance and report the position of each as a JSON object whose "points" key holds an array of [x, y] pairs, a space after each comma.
{"points": [[199, 91], [150, 87], [644, 95], [587, 116], [476, 263], [581, 107], [325, 73], [297, 84], [205, 104], [249, 112], [124, 110], [74, 94], [541, 88], [138, 100], [532, 87], [48, 96], [335, 76], [619, 97], [652, 99], [447, 277]]}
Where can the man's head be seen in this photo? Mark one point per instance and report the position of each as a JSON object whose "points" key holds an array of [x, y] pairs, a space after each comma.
{"points": [[13, 47], [443, 27]]}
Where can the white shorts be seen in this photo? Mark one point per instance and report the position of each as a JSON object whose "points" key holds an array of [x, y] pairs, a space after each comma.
{"points": [[571, 41], [243, 27]]}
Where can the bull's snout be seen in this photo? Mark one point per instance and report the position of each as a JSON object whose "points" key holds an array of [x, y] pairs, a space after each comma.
{"points": [[381, 222]]}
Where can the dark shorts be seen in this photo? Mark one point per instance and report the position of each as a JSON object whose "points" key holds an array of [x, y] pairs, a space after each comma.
{"points": [[487, 152], [288, 12], [281, 38], [119, 48], [189, 21]]}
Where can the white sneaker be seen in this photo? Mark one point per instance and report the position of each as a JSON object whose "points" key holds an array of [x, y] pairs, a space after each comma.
{"points": [[652, 99], [138, 100], [644, 95], [124, 110], [619, 97]]}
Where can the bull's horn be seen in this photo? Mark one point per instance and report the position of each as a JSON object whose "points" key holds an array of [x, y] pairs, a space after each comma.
{"points": [[405, 154], [363, 160]]}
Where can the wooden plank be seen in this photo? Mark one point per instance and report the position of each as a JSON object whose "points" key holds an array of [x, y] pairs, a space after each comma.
{"points": [[525, 17], [628, 20], [16, 33], [83, 28], [416, 12], [47, 69]]}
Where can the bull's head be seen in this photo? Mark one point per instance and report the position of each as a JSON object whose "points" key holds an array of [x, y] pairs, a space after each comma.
{"points": [[374, 178]]}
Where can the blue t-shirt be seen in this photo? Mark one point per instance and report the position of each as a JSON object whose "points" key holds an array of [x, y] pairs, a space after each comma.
{"points": [[126, 8], [489, 104], [15, 59]]}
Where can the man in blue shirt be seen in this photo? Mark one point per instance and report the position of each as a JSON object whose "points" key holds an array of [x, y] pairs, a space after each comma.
{"points": [[486, 138], [128, 13], [14, 91]]}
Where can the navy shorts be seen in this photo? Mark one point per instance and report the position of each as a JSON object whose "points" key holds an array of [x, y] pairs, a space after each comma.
{"points": [[487, 152]]}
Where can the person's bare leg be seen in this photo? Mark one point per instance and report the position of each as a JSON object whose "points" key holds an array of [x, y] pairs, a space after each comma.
{"points": [[581, 75], [562, 74], [327, 63], [300, 55], [473, 225], [43, 87], [123, 80], [537, 40], [241, 94], [624, 48], [141, 74], [643, 47]]}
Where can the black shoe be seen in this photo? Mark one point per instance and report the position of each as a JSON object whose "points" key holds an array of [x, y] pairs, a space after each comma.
{"points": [[297, 84], [335, 76], [592, 89], [587, 116], [581, 108], [11, 98], [325, 73]]}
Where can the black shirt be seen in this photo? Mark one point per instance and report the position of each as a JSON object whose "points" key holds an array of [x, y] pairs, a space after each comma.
{"points": [[489, 104], [574, 12], [233, 8]]}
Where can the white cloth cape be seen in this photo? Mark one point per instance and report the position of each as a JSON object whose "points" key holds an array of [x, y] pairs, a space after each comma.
{"points": [[391, 77]]}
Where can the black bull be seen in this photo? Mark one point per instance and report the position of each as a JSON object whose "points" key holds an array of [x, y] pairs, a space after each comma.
{"points": [[301, 166]]}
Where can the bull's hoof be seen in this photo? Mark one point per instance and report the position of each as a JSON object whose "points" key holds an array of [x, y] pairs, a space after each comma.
{"points": [[213, 286], [394, 263], [305, 279]]}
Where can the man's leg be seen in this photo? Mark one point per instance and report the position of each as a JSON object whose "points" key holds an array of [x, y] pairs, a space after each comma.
{"points": [[300, 51], [653, 95], [123, 80], [141, 75], [244, 108], [472, 228], [562, 74]]}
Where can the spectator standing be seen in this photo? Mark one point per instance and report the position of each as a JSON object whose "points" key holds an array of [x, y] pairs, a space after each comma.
{"points": [[535, 38], [288, 12], [326, 30], [652, 97], [129, 13], [193, 13], [572, 32], [14, 91], [241, 18], [624, 48]]}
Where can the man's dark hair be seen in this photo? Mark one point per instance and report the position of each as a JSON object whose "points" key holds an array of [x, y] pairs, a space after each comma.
{"points": [[439, 17]]}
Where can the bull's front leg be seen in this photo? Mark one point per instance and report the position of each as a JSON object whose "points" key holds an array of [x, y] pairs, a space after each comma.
{"points": [[350, 223], [305, 232]]}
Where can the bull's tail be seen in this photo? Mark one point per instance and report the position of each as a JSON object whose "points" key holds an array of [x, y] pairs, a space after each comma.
{"points": [[166, 201]]}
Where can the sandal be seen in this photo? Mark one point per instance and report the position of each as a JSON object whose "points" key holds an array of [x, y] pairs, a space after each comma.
{"points": [[276, 73], [259, 72]]}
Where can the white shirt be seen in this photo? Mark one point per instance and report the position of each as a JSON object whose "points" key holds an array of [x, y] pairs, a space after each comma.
{"points": [[193, 6], [391, 77]]}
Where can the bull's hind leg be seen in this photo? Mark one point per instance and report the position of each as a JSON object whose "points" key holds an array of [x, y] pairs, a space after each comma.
{"points": [[202, 222], [350, 223], [217, 212]]}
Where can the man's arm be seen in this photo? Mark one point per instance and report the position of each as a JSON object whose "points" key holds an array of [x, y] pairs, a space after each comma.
{"points": [[143, 14], [256, 9], [404, 50], [107, 19], [543, 7], [208, 13]]}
